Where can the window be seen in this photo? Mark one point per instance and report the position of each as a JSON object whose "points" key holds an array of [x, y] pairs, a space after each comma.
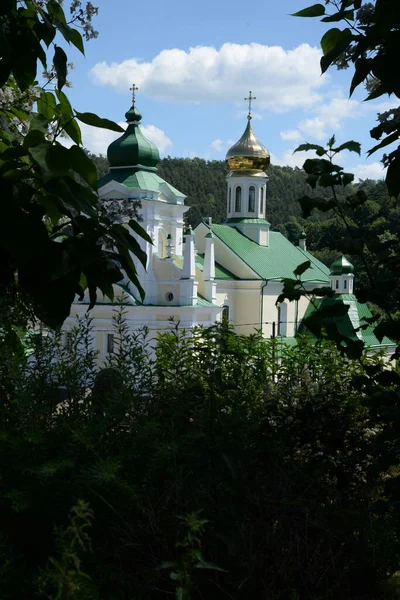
{"points": [[282, 319], [225, 314], [262, 200], [345, 284], [337, 284], [238, 199], [230, 200], [252, 198], [169, 296], [110, 343]]}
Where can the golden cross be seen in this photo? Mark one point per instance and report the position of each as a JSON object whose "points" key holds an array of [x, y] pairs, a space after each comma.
{"points": [[134, 89], [250, 98]]}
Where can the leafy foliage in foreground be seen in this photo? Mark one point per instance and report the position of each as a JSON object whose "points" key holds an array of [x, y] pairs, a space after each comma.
{"points": [[368, 42], [51, 233], [225, 465]]}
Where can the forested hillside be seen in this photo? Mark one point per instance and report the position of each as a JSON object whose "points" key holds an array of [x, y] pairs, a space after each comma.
{"points": [[204, 184]]}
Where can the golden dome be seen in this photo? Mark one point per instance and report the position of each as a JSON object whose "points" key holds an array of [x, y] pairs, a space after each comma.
{"points": [[248, 154]]}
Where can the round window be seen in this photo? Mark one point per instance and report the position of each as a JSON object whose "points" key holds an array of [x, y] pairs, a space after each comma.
{"points": [[169, 296]]}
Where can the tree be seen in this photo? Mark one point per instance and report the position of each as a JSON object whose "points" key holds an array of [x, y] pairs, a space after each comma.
{"points": [[369, 41], [51, 232]]}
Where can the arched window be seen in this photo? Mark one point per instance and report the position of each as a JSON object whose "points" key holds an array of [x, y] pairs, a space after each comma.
{"points": [[337, 284], [345, 284], [252, 198], [262, 200], [225, 314], [238, 199], [282, 319], [230, 200]]}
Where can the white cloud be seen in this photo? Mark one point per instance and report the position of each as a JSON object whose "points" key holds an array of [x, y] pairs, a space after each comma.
{"points": [[204, 74], [157, 136], [216, 145], [97, 140], [291, 135], [288, 159], [372, 171], [329, 118]]}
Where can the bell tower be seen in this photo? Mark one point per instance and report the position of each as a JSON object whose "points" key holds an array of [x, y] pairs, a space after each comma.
{"points": [[247, 161]]}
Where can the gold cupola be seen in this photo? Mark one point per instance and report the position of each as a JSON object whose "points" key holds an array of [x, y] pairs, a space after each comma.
{"points": [[248, 154]]}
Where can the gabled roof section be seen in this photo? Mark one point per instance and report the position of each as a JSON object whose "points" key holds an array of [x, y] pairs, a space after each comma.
{"points": [[348, 324], [276, 261], [144, 180], [220, 271]]}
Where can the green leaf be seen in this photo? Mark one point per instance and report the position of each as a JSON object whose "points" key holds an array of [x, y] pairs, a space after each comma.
{"points": [[71, 35], [339, 16], [65, 104], [347, 178], [389, 140], [125, 240], [342, 40], [362, 70], [331, 39], [302, 268], [393, 177], [306, 147], [53, 159], [46, 105], [350, 146], [33, 138], [331, 141], [316, 10], [39, 122], [60, 65], [82, 164], [74, 131], [74, 197], [137, 228], [77, 41], [95, 121]]}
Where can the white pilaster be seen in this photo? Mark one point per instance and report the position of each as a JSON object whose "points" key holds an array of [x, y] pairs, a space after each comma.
{"points": [[209, 258]]}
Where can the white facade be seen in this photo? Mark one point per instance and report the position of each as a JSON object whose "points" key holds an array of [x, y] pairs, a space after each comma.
{"points": [[198, 278]]}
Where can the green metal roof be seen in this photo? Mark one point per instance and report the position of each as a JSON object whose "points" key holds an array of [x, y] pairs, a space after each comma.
{"points": [[276, 261], [142, 180], [132, 148], [220, 271], [347, 324], [341, 266], [246, 221], [201, 301]]}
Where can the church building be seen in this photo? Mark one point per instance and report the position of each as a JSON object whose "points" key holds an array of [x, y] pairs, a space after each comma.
{"points": [[228, 271]]}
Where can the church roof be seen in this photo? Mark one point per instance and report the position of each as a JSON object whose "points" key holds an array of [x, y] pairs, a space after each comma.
{"points": [[276, 261], [348, 324], [341, 266], [145, 180], [220, 271], [133, 149]]}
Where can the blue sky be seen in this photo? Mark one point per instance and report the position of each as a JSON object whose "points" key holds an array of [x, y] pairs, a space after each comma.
{"points": [[195, 62]]}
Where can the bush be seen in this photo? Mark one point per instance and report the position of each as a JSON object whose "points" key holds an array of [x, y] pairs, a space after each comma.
{"points": [[244, 467]]}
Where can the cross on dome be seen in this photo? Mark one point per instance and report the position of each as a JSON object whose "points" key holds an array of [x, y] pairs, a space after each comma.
{"points": [[249, 99], [134, 89]]}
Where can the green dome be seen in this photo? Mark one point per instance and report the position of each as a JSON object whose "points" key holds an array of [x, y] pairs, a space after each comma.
{"points": [[303, 236], [341, 266], [132, 149]]}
